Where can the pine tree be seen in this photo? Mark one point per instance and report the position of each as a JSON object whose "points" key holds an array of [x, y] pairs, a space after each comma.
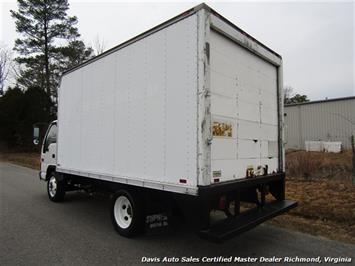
{"points": [[43, 25], [74, 53]]}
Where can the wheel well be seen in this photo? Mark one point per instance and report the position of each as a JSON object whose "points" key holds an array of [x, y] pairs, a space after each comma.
{"points": [[50, 169]]}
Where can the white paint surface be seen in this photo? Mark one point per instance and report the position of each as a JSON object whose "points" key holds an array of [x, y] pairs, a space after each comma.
{"points": [[133, 114], [244, 90]]}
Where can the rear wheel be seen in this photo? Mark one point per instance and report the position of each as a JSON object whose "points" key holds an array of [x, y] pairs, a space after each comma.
{"points": [[55, 187], [127, 213]]}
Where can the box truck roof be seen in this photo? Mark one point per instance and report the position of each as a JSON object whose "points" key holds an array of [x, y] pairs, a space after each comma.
{"points": [[165, 24]]}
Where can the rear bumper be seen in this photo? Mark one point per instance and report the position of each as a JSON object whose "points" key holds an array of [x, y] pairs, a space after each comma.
{"points": [[225, 187], [251, 190], [233, 226]]}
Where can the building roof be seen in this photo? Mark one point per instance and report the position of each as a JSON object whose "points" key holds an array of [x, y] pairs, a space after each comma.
{"points": [[322, 101]]}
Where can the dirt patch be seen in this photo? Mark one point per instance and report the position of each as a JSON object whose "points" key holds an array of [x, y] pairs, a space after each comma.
{"points": [[320, 228], [31, 160], [325, 208]]}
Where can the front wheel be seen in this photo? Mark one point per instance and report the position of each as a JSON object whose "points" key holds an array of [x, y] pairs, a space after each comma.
{"points": [[55, 188], [127, 213]]}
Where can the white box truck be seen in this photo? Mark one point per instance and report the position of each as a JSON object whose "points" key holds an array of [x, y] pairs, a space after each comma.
{"points": [[186, 116]]}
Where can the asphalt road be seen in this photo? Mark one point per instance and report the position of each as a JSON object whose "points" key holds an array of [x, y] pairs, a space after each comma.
{"points": [[35, 231]]}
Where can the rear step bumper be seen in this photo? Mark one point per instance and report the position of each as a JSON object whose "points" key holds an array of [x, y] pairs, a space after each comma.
{"points": [[232, 226]]}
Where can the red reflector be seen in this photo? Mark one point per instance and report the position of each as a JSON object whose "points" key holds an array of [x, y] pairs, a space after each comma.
{"points": [[183, 181], [222, 203], [216, 180]]}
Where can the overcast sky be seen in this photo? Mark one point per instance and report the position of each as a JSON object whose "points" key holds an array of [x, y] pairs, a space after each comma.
{"points": [[315, 39]]}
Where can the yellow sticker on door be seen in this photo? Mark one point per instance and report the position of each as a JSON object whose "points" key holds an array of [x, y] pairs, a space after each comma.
{"points": [[222, 129]]}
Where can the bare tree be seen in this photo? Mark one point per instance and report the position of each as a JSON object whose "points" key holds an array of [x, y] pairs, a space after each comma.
{"points": [[99, 45], [5, 66], [288, 93]]}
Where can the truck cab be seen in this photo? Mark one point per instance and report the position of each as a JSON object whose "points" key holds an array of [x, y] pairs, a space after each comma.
{"points": [[49, 151], [56, 185]]}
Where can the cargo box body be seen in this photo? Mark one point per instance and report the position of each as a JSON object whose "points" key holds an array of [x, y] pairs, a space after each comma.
{"points": [[192, 102]]}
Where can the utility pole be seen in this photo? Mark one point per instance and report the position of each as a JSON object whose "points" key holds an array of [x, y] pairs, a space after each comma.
{"points": [[352, 140], [353, 149]]}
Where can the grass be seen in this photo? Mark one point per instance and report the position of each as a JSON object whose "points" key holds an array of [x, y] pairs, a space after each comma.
{"points": [[31, 160], [325, 208], [321, 183], [310, 165]]}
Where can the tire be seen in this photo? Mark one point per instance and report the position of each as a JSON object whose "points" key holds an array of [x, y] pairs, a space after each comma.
{"points": [[55, 187], [127, 213]]}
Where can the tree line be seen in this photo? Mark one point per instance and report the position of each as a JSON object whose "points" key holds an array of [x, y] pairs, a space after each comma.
{"points": [[290, 97], [48, 44]]}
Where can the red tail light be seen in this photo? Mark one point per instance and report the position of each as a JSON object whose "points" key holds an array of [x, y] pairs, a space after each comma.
{"points": [[222, 203]]}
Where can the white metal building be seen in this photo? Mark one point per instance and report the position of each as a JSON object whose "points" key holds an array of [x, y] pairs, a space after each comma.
{"points": [[326, 120]]}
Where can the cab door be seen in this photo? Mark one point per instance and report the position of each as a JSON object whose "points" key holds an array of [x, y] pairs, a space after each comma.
{"points": [[49, 150]]}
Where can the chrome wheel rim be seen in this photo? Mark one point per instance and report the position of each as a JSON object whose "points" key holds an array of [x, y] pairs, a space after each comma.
{"points": [[52, 186], [123, 212]]}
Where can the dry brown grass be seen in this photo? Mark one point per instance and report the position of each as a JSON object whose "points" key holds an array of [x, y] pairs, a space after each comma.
{"points": [[327, 229], [318, 164], [321, 183], [31, 160], [326, 200], [325, 208]]}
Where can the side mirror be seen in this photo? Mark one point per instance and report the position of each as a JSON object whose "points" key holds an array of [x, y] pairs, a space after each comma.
{"points": [[35, 135]]}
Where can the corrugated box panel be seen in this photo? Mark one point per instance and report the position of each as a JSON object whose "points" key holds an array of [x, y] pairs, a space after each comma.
{"points": [[244, 110], [133, 113]]}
